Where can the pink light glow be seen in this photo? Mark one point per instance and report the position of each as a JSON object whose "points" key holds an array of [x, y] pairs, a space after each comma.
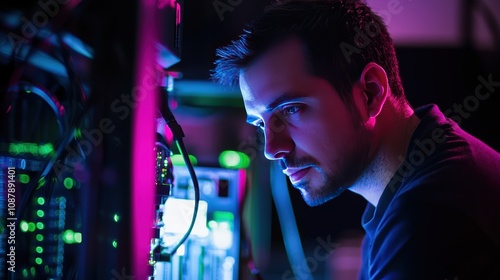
{"points": [[242, 175], [144, 129], [177, 14], [163, 3]]}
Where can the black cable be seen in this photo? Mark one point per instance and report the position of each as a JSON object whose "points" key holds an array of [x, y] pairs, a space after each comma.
{"points": [[182, 149], [286, 217], [67, 135], [64, 142], [32, 187], [66, 139], [178, 137], [76, 87]]}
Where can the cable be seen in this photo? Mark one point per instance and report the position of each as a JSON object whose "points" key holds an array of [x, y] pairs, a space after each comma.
{"points": [[288, 225], [67, 135], [66, 139], [178, 137], [73, 122], [182, 149]]}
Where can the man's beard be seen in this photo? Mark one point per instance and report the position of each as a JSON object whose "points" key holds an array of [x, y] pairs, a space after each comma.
{"points": [[321, 195], [325, 185]]}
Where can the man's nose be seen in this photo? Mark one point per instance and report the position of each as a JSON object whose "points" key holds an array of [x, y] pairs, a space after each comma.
{"points": [[278, 142]]}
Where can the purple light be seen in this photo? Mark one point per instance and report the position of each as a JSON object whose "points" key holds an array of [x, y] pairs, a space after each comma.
{"points": [[144, 128], [242, 182]]}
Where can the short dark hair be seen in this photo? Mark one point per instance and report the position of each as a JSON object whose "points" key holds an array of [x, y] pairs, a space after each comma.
{"points": [[339, 37]]}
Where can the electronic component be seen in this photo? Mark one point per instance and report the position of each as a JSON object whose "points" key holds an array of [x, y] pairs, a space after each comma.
{"points": [[212, 250]]}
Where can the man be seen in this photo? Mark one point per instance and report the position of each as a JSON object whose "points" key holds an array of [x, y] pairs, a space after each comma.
{"points": [[321, 79]]}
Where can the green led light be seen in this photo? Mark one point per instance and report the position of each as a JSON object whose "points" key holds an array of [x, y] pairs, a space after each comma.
{"points": [[47, 269], [14, 149], [46, 149], [224, 219], [234, 159], [78, 134], [24, 178], [178, 160], [38, 261], [40, 213], [40, 225], [114, 243], [24, 226], [41, 182], [69, 183], [68, 236], [39, 237], [78, 237], [223, 216], [33, 271], [39, 249], [116, 217], [31, 148], [40, 200], [31, 226]]}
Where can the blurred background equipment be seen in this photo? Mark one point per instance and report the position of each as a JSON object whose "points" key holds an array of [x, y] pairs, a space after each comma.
{"points": [[212, 250]]}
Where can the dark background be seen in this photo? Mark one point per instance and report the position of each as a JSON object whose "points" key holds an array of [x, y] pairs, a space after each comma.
{"points": [[213, 117]]}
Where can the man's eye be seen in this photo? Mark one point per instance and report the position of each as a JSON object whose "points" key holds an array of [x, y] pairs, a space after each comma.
{"points": [[289, 110]]}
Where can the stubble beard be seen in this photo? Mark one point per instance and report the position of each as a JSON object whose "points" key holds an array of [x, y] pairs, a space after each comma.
{"points": [[344, 173]]}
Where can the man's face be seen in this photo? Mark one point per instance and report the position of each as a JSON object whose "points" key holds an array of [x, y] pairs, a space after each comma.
{"points": [[306, 125]]}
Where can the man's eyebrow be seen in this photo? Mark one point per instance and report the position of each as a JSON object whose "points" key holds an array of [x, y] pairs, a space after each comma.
{"points": [[284, 98]]}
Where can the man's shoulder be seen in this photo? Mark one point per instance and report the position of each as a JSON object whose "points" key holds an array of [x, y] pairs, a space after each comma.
{"points": [[442, 153], [440, 214], [457, 187]]}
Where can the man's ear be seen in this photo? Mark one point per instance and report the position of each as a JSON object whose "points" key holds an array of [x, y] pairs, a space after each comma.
{"points": [[375, 85]]}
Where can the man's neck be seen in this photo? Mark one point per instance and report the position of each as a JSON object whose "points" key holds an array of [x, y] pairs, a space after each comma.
{"points": [[387, 159]]}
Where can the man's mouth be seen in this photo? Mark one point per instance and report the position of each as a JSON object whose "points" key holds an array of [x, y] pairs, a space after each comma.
{"points": [[296, 173]]}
